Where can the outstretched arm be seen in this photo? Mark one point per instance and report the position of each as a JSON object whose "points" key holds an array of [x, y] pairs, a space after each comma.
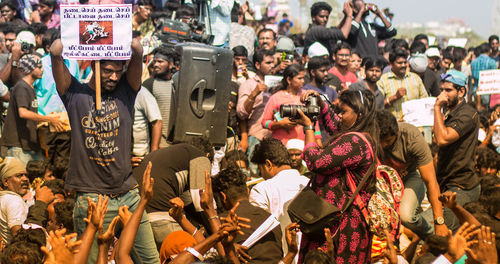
{"points": [[61, 74]]}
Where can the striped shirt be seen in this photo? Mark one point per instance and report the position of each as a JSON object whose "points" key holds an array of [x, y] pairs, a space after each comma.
{"points": [[389, 83]]}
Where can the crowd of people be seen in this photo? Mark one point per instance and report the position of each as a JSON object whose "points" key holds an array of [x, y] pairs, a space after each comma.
{"points": [[82, 183]]}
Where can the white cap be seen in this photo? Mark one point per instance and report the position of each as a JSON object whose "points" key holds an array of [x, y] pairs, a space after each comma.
{"points": [[317, 50], [26, 37], [418, 62], [432, 52], [295, 144]]}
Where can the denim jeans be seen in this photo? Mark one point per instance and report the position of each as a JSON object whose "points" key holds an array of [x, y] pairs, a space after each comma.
{"points": [[252, 142], [413, 195], [463, 197], [24, 156], [144, 249]]}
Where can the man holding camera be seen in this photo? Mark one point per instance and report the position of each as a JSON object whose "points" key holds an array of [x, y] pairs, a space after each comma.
{"points": [[365, 36], [24, 43]]}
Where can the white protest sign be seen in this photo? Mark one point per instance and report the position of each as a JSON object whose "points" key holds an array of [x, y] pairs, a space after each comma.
{"points": [[272, 81], [95, 32], [419, 112], [489, 82], [457, 42]]}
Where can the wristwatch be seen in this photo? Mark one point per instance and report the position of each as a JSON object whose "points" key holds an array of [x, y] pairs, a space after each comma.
{"points": [[15, 63], [439, 221]]}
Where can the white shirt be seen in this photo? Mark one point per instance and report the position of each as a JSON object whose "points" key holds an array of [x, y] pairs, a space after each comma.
{"points": [[274, 196], [13, 212]]}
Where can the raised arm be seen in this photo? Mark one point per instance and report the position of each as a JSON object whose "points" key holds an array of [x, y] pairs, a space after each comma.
{"points": [[134, 71], [61, 74], [127, 237]]}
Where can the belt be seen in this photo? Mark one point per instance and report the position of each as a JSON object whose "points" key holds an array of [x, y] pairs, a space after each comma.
{"points": [[114, 195]]}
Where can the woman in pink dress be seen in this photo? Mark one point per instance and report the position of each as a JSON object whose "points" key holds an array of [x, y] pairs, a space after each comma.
{"points": [[344, 151], [288, 92]]}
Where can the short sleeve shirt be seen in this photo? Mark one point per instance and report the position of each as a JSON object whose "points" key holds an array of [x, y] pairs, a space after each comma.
{"points": [[13, 212], [20, 132], [455, 164], [101, 141], [409, 152], [146, 112]]}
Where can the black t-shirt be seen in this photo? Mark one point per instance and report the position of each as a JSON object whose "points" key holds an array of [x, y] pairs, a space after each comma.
{"points": [[456, 161], [171, 173], [101, 142], [431, 82], [20, 132], [328, 37]]}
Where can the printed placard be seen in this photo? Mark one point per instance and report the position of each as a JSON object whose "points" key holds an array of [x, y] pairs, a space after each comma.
{"points": [[489, 82], [95, 32]]}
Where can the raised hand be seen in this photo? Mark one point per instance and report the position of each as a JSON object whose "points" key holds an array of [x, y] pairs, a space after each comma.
{"points": [[96, 212], [124, 214], [61, 252], [177, 209], [147, 184], [449, 199], [107, 238], [458, 243], [485, 251], [207, 195]]}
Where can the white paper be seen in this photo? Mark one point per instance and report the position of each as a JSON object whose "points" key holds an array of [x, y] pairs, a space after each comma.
{"points": [[95, 32], [457, 42], [266, 227], [489, 82], [272, 81], [419, 112]]}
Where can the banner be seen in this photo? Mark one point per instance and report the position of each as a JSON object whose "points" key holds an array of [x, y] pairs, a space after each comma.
{"points": [[489, 82], [95, 32], [419, 112]]}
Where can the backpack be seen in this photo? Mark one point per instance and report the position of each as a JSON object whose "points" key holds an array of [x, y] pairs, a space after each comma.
{"points": [[382, 211]]}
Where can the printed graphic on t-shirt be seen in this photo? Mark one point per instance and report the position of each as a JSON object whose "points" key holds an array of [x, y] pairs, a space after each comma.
{"points": [[100, 131]]}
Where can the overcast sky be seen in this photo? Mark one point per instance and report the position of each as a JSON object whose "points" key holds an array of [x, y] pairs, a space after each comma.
{"points": [[476, 13]]}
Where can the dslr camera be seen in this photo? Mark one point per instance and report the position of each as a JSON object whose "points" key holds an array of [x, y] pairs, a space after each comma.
{"points": [[311, 109]]}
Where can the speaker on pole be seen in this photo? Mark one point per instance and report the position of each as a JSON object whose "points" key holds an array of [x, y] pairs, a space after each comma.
{"points": [[201, 93]]}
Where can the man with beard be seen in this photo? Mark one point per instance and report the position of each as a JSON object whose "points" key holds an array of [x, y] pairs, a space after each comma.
{"points": [[101, 142], [160, 85], [252, 100], [400, 85], [13, 209], [365, 36], [318, 72], [373, 71], [456, 132]]}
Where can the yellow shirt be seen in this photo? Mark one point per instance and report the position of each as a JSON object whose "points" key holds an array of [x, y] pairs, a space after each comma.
{"points": [[389, 83]]}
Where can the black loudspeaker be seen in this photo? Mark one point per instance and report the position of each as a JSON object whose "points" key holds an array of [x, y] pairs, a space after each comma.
{"points": [[201, 96]]}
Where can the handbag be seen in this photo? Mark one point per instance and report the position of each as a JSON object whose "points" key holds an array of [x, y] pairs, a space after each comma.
{"points": [[314, 213]]}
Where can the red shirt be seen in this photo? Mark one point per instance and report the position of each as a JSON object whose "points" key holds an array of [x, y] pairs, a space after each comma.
{"points": [[347, 79]]}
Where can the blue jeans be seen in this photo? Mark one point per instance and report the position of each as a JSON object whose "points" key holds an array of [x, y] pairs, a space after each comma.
{"points": [[413, 195], [144, 250], [24, 156], [252, 142], [463, 197]]}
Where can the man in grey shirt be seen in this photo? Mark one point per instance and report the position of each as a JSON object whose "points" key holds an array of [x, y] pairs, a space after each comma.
{"points": [[160, 85], [147, 114], [373, 71]]}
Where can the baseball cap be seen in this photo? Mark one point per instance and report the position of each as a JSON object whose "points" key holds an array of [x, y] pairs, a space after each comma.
{"points": [[454, 77], [285, 44], [26, 37], [418, 62], [317, 50], [432, 52]]}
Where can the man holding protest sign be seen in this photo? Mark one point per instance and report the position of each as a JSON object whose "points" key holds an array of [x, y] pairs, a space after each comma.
{"points": [[101, 141]]}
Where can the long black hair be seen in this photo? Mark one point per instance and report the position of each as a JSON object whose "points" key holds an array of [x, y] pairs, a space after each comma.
{"points": [[290, 72], [363, 104]]}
